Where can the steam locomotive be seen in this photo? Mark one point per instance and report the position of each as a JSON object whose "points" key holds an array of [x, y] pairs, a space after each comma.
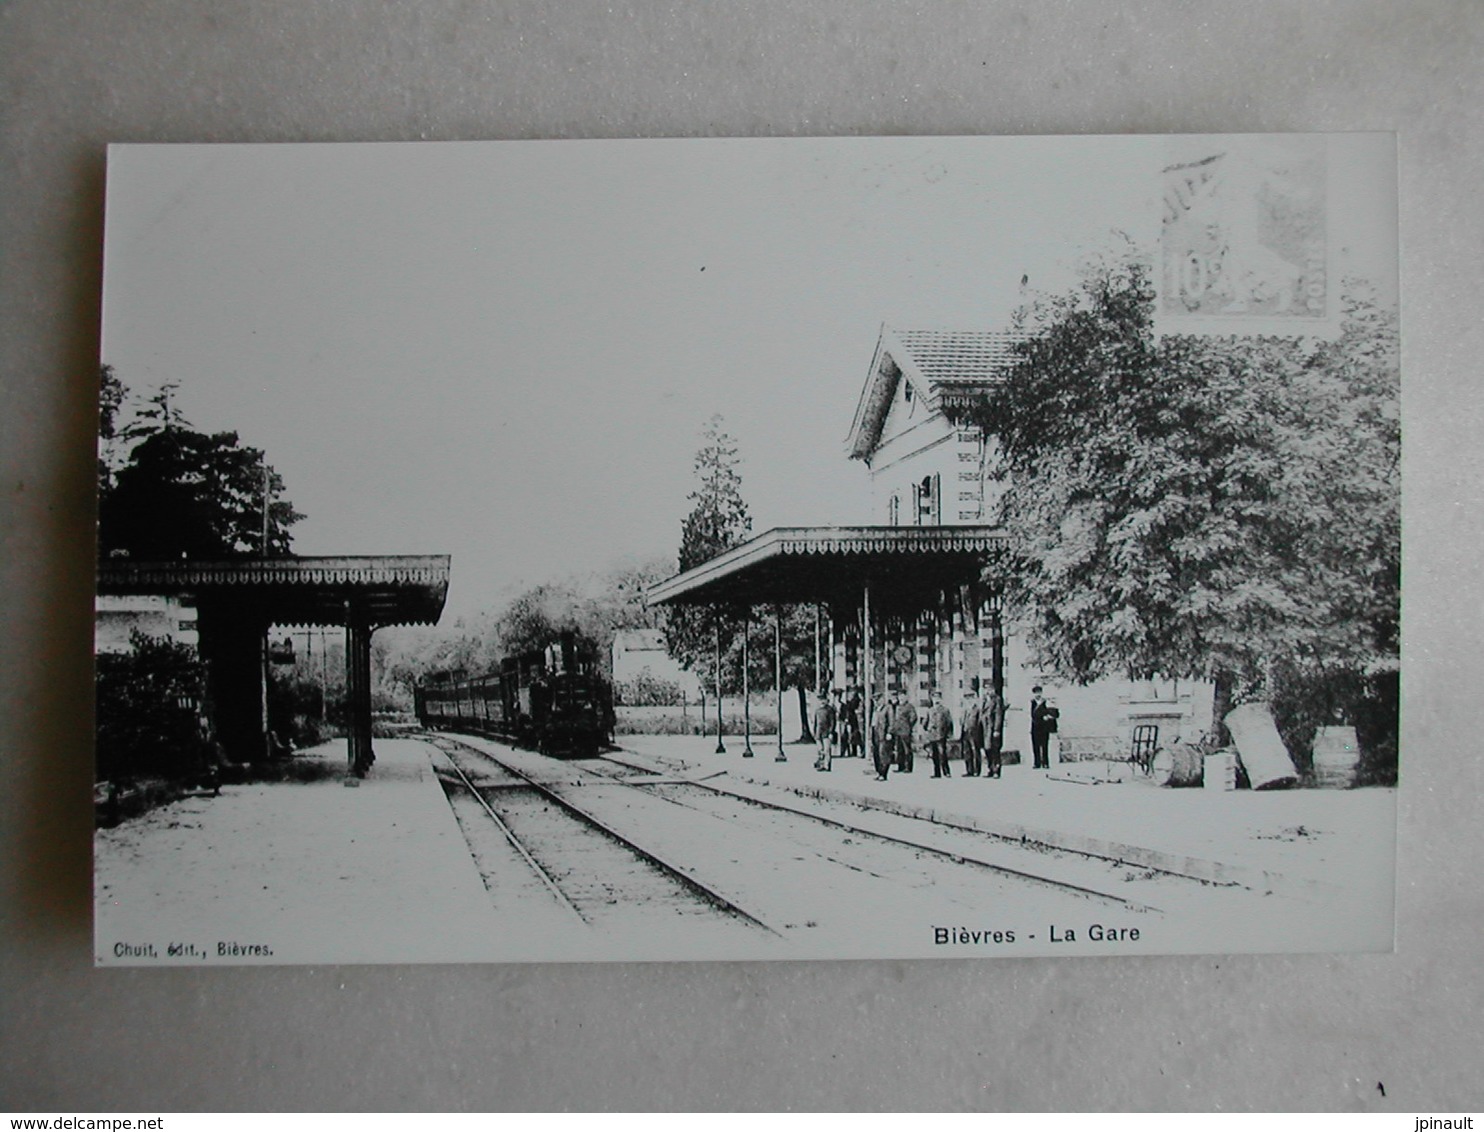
{"points": [[553, 699]]}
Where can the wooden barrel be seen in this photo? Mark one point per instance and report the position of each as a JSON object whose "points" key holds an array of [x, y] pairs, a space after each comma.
{"points": [[1177, 765], [1336, 757], [1260, 746]]}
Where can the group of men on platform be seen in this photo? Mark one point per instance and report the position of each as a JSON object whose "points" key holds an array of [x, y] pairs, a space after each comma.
{"points": [[894, 730]]}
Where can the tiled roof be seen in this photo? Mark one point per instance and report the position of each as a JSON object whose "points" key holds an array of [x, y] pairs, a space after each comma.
{"points": [[960, 355], [950, 368]]}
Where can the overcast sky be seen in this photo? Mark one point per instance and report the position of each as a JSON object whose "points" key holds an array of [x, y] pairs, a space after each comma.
{"points": [[507, 351]]}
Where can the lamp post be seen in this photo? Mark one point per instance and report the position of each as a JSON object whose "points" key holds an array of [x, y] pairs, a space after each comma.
{"points": [[747, 752], [997, 644]]}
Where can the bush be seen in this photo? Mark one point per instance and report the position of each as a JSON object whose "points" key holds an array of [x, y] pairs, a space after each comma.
{"points": [[1302, 703], [149, 703], [648, 690], [297, 712], [657, 723], [662, 721]]}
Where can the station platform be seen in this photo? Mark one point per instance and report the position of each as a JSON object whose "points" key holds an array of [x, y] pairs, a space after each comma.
{"points": [[1301, 841], [300, 871]]}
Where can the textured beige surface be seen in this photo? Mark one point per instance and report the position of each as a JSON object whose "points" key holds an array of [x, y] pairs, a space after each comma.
{"points": [[1250, 1032]]}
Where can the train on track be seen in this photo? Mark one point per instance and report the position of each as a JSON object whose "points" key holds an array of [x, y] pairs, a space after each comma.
{"points": [[554, 699]]}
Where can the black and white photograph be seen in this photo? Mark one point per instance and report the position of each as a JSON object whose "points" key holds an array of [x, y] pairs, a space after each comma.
{"points": [[747, 549]]}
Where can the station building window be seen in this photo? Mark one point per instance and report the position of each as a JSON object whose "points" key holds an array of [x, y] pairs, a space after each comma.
{"points": [[927, 496]]}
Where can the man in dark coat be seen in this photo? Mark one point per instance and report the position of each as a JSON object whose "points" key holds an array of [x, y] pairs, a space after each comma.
{"points": [[939, 727], [881, 737], [1043, 725], [826, 720], [992, 716], [971, 734], [903, 724], [850, 725]]}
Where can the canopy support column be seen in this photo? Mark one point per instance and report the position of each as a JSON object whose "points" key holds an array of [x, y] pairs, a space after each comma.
{"points": [[867, 715], [265, 671], [358, 690], [996, 646], [834, 670], [958, 651], [924, 653], [232, 645], [817, 632], [778, 677], [721, 748]]}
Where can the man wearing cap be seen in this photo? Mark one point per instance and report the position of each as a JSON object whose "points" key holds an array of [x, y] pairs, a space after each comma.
{"points": [[826, 719], [939, 726]]}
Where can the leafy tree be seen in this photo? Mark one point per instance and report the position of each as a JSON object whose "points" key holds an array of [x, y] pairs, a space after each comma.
{"points": [[615, 598], [537, 618], [718, 521], [183, 493], [111, 395], [159, 413], [597, 605], [1192, 505]]}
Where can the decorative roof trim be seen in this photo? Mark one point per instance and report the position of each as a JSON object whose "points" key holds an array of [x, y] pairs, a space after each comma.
{"points": [[822, 541], [395, 589], [123, 575], [875, 401]]}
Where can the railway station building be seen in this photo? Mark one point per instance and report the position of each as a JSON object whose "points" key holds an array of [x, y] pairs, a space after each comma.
{"points": [[225, 609], [903, 598]]}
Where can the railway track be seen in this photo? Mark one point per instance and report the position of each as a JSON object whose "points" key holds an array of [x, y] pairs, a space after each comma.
{"points": [[774, 867], [596, 874], [1008, 859]]}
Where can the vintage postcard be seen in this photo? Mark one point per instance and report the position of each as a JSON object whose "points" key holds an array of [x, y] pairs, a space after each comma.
{"points": [[748, 549]]}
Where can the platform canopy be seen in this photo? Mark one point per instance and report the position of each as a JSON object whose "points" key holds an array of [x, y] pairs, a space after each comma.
{"points": [[905, 566], [238, 599], [404, 589]]}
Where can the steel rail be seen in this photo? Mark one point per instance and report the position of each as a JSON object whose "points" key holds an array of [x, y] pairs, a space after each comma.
{"points": [[705, 891], [546, 877], [950, 854]]}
